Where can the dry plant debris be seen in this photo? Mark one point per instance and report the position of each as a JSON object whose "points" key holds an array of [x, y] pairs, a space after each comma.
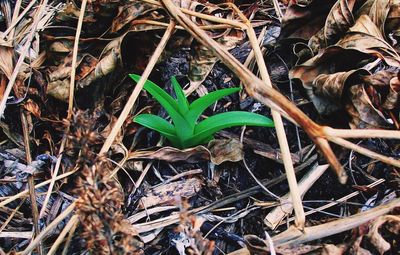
{"points": [[79, 176]]}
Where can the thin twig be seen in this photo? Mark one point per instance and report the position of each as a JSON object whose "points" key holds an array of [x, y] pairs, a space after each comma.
{"points": [[31, 182], [364, 151], [280, 130], [69, 238], [64, 214], [61, 236], [26, 192]]}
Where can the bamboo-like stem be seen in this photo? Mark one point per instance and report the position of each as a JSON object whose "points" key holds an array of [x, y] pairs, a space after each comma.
{"points": [[71, 223], [364, 151], [31, 182], [362, 133], [69, 238], [280, 131], [204, 16], [139, 86], [22, 56], [293, 236], [49, 228], [74, 58]]}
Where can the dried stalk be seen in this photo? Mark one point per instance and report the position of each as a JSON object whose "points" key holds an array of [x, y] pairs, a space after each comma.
{"points": [[71, 223], [74, 58], [276, 216], [204, 16], [49, 228], [280, 131], [138, 88], [293, 236], [343, 199], [26, 192], [361, 133], [31, 182]]}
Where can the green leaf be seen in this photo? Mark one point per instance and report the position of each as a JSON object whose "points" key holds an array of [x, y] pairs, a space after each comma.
{"points": [[180, 96], [158, 124], [215, 123], [201, 104], [170, 105]]}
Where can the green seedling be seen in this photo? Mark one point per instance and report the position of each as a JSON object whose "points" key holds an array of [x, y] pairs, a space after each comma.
{"points": [[186, 131]]}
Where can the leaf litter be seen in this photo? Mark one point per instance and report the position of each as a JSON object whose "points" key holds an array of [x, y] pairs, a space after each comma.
{"points": [[337, 61]]}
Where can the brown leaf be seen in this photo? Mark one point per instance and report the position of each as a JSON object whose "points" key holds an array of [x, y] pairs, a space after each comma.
{"points": [[32, 107], [339, 20], [170, 154], [376, 238], [327, 92], [366, 37], [304, 20], [393, 98], [171, 193], [362, 112], [225, 150], [129, 12]]}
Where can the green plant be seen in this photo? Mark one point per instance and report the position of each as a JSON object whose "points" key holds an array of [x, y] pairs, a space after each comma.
{"points": [[185, 131]]}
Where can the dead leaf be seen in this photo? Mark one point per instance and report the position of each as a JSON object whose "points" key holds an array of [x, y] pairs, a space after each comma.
{"points": [[393, 98], [170, 154], [32, 107], [338, 21], [331, 249], [129, 12], [376, 238], [362, 112], [366, 37], [303, 20], [225, 150], [171, 193]]}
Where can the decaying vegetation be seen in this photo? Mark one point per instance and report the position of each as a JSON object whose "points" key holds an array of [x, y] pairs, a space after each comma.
{"points": [[79, 176]]}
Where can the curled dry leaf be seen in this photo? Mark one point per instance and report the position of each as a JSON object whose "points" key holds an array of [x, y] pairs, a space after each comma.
{"points": [[171, 193], [218, 151], [339, 20], [129, 12], [32, 107], [393, 224], [225, 150], [393, 98], [59, 79], [303, 20], [362, 112], [170, 154], [366, 37]]}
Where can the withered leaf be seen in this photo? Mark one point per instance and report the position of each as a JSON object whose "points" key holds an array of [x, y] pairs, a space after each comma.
{"points": [[171, 193], [338, 21], [362, 112]]}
